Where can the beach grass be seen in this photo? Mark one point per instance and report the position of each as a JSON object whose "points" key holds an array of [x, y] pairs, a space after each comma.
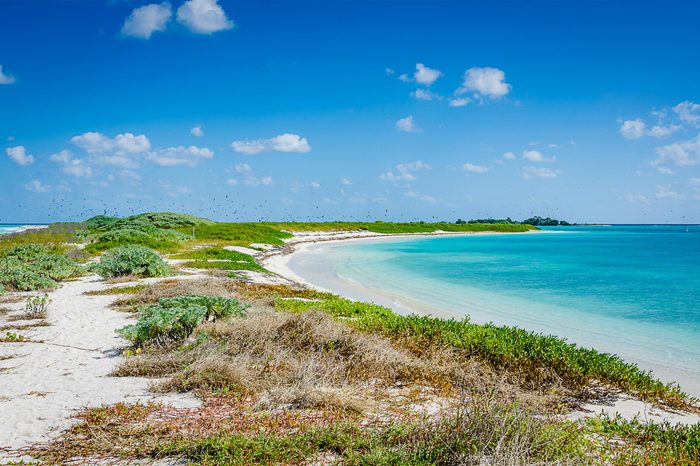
{"points": [[219, 258], [399, 228], [538, 360]]}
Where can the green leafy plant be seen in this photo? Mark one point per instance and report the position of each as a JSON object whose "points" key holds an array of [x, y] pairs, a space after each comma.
{"points": [[37, 306], [132, 260], [174, 319], [27, 267]]}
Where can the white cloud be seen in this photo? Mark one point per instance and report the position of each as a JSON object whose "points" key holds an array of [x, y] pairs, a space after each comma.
{"points": [[539, 172], [682, 154], [232, 182], [489, 82], [19, 155], [203, 16], [72, 166], [424, 94], [122, 144], [180, 155], [283, 143], [249, 176], [406, 125], [345, 181], [416, 195], [197, 131], [315, 184], [633, 129], [537, 156], [660, 131], [389, 71], [688, 112], [37, 187], [640, 198], [425, 75], [459, 102], [120, 151], [508, 155], [403, 171], [146, 20], [470, 167], [405, 78], [665, 192], [694, 181], [6, 78]]}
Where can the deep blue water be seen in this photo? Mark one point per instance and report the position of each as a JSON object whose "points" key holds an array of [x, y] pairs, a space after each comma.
{"points": [[631, 290]]}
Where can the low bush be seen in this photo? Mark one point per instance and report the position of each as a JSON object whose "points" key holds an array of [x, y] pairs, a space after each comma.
{"points": [[34, 267], [174, 319], [132, 260], [539, 360], [161, 325], [219, 258], [239, 234]]}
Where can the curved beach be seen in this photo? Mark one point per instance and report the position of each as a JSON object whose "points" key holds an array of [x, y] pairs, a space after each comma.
{"points": [[308, 260]]}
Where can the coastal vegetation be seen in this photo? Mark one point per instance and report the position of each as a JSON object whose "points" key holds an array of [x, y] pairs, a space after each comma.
{"points": [[131, 260], [27, 267], [290, 375]]}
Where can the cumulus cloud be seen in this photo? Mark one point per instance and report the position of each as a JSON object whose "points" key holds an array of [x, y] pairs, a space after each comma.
{"points": [[539, 172], [661, 131], [37, 187], [459, 102], [487, 82], [470, 167], [283, 143], [633, 129], [249, 177], [636, 198], [197, 131], [180, 155], [406, 125], [665, 192], [6, 78], [508, 155], [688, 112], [18, 154], [424, 94], [72, 166], [203, 16], [119, 151], [145, 20], [403, 171], [537, 156], [681, 154], [424, 75]]}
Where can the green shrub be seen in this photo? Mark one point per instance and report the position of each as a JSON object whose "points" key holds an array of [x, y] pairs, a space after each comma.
{"points": [[174, 319], [34, 267], [124, 231], [132, 260], [217, 307], [240, 234], [160, 325]]}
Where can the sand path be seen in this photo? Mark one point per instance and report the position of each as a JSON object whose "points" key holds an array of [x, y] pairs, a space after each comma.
{"points": [[45, 383]]}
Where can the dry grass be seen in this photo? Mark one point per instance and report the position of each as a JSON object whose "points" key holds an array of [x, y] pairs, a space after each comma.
{"points": [[173, 288], [28, 316], [116, 290], [296, 360], [28, 325]]}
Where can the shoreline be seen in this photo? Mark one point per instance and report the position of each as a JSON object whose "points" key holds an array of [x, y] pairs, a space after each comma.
{"points": [[277, 261]]}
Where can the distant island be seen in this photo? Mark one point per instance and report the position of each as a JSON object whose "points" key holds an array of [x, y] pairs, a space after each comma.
{"points": [[534, 221]]}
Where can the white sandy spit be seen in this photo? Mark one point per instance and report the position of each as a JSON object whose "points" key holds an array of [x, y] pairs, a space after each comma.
{"points": [[277, 261], [66, 368]]}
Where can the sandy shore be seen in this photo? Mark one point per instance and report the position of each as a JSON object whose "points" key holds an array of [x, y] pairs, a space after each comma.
{"points": [[65, 366], [278, 260]]}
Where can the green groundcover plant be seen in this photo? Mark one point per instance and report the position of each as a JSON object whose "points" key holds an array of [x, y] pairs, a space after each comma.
{"points": [[133, 260], [34, 267], [174, 319]]}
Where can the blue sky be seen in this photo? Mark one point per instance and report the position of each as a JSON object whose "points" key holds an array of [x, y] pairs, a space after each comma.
{"points": [[248, 110]]}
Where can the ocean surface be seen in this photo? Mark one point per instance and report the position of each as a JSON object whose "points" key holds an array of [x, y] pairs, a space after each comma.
{"points": [[11, 227], [626, 289]]}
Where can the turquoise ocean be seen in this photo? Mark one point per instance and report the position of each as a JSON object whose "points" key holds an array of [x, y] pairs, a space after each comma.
{"points": [[632, 290]]}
